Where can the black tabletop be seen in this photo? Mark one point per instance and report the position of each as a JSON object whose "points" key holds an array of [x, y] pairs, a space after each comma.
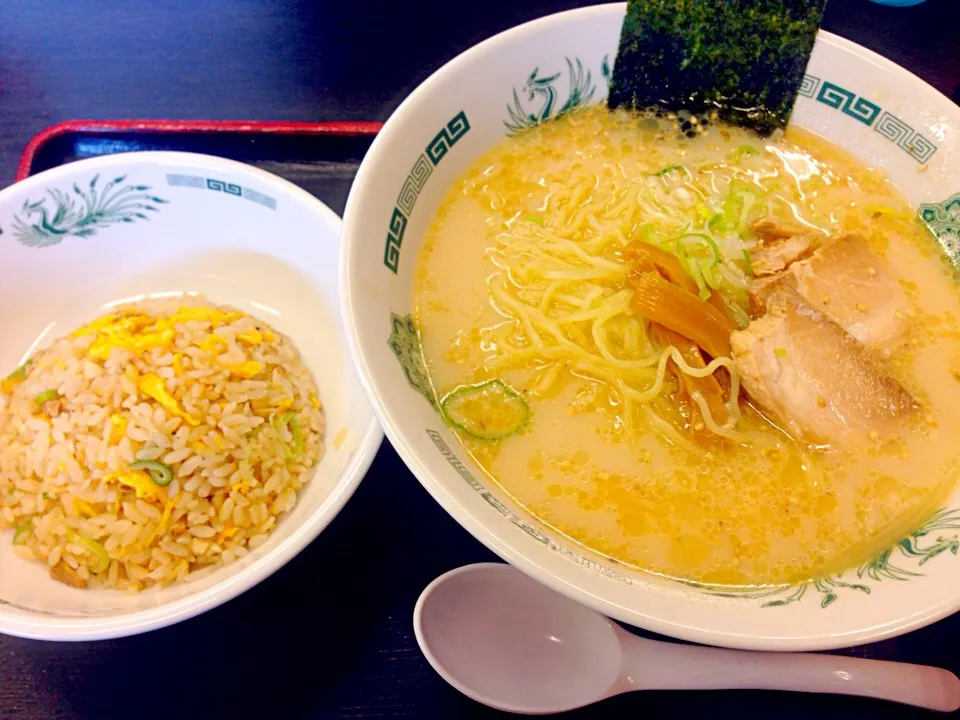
{"points": [[330, 636]]}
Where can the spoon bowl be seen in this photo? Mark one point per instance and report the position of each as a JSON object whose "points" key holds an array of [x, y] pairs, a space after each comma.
{"points": [[506, 641], [495, 635]]}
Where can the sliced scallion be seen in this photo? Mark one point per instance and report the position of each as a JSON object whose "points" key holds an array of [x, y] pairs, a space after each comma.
{"points": [[161, 474], [290, 421], [690, 242], [489, 410], [22, 529], [99, 551], [41, 398], [670, 169]]}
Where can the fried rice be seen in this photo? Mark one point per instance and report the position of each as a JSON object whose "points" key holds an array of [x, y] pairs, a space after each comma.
{"points": [[162, 438]]}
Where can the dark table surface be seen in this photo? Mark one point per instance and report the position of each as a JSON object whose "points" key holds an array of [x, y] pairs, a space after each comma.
{"points": [[330, 636]]}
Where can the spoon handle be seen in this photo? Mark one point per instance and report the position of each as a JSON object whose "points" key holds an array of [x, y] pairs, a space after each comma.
{"points": [[653, 665]]}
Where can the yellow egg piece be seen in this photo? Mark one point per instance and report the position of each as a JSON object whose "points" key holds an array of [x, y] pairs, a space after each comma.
{"points": [[153, 386], [246, 369], [134, 332], [81, 507], [141, 483], [118, 428], [205, 314], [212, 343], [95, 326], [251, 336]]}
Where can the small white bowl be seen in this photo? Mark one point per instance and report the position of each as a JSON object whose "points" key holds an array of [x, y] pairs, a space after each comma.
{"points": [[150, 223], [851, 96]]}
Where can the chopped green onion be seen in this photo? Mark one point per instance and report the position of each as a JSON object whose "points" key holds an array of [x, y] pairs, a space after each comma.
{"points": [[746, 150], [161, 474], [749, 200], [779, 351], [292, 423], [740, 317], [729, 208], [489, 410], [19, 374], [740, 200], [538, 219], [705, 212], [649, 234], [22, 529], [93, 546], [695, 265], [696, 272], [709, 277], [669, 169], [701, 240], [41, 398], [748, 262]]}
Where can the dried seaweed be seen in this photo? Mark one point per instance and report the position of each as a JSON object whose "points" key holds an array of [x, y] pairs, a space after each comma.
{"points": [[744, 59]]}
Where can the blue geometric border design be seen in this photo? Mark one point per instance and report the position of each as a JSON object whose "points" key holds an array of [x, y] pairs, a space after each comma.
{"points": [[848, 102], [890, 126], [897, 131], [414, 183], [808, 86], [447, 137], [196, 181]]}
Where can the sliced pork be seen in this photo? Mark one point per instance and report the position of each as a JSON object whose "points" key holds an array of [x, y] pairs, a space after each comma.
{"points": [[813, 377], [848, 282]]}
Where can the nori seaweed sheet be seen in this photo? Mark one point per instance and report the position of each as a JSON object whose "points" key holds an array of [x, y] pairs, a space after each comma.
{"points": [[743, 58]]}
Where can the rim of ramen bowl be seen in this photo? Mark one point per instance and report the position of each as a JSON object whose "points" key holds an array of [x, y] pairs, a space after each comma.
{"points": [[43, 627], [520, 551]]}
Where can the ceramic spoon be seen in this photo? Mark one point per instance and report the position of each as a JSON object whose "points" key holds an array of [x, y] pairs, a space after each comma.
{"points": [[506, 641]]}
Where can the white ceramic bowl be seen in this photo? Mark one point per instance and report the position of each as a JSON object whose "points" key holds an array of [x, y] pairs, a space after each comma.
{"points": [[146, 223], [850, 95]]}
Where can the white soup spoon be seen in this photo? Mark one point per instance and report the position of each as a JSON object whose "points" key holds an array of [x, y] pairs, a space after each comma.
{"points": [[506, 641]]}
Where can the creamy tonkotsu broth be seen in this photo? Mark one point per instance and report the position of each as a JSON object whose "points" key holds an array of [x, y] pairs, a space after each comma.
{"points": [[525, 277]]}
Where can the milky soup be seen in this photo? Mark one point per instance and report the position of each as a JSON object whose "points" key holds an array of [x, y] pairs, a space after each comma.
{"points": [[703, 354]]}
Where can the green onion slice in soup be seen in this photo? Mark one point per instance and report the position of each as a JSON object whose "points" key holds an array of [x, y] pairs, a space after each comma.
{"points": [[489, 410]]}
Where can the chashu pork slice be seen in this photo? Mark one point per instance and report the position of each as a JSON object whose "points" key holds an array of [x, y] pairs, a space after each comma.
{"points": [[813, 377], [775, 256], [849, 283]]}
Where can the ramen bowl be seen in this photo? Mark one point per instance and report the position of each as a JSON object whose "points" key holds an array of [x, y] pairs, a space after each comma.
{"points": [[82, 237], [851, 96]]}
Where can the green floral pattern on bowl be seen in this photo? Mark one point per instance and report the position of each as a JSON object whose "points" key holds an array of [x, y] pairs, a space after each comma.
{"points": [[82, 212], [542, 91], [916, 548], [404, 341]]}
